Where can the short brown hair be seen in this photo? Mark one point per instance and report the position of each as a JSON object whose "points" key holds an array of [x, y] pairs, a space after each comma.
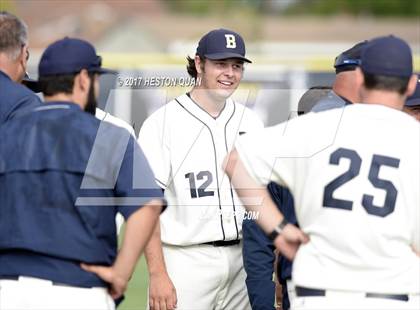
{"points": [[384, 82], [59, 83]]}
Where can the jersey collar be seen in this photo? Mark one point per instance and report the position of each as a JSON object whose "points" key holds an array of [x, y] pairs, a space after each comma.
{"points": [[203, 115]]}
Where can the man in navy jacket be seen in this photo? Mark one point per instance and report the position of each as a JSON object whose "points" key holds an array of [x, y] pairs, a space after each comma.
{"points": [[259, 256], [14, 54]]}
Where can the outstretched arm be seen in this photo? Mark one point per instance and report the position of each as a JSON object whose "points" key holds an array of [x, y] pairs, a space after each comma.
{"points": [[256, 198]]}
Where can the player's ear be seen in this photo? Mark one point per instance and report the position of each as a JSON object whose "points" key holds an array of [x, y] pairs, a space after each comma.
{"points": [[81, 82], [84, 80], [359, 78], [24, 55], [198, 64], [412, 83], [22, 59]]}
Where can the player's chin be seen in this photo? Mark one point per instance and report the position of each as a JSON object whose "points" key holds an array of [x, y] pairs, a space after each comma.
{"points": [[224, 93]]}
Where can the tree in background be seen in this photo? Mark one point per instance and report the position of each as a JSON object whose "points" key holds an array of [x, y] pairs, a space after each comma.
{"points": [[301, 7], [356, 7]]}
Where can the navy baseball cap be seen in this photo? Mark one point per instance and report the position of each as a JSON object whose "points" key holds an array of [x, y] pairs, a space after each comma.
{"points": [[389, 56], [222, 44], [69, 55], [349, 59], [414, 99]]}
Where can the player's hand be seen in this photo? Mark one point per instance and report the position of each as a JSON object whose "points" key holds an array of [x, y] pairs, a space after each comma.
{"points": [[289, 240], [162, 293], [118, 283]]}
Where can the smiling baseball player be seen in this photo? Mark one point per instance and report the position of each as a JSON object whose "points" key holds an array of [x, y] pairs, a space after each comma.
{"points": [[185, 142]]}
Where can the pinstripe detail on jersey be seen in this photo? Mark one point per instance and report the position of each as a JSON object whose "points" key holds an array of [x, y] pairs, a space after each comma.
{"points": [[215, 165], [230, 185]]}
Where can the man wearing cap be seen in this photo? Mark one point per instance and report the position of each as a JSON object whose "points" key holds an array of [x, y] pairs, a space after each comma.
{"points": [[412, 104], [64, 175], [195, 257], [14, 56], [345, 90], [356, 196]]}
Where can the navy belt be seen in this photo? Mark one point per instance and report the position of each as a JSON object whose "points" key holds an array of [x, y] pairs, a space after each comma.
{"points": [[223, 243], [311, 292]]}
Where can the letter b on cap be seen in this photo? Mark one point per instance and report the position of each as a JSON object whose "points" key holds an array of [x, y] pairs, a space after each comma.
{"points": [[230, 41]]}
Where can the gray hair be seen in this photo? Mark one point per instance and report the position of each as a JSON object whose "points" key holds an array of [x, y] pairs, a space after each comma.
{"points": [[13, 35]]}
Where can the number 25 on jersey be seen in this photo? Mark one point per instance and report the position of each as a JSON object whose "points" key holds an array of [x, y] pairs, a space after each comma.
{"points": [[353, 172]]}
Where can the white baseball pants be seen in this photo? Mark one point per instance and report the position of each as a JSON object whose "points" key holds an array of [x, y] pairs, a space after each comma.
{"points": [[208, 277], [37, 294]]}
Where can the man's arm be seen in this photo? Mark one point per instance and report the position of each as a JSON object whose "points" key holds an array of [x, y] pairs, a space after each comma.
{"points": [[139, 228], [256, 198], [162, 293]]}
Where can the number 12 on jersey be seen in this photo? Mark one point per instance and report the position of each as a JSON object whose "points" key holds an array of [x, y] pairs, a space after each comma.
{"points": [[202, 190], [354, 169]]}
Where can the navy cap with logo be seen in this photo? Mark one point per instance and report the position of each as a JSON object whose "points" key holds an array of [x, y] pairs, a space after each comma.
{"points": [[222, 44], [414, 99], [388, 56], [69, 55], [349, 59]]}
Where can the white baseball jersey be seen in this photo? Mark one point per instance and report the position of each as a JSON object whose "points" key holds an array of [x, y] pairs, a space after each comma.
{"points": [[185, 147], [354, 175]]}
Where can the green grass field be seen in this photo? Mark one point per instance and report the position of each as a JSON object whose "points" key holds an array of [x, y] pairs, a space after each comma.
{"points": [[136, 294]]}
